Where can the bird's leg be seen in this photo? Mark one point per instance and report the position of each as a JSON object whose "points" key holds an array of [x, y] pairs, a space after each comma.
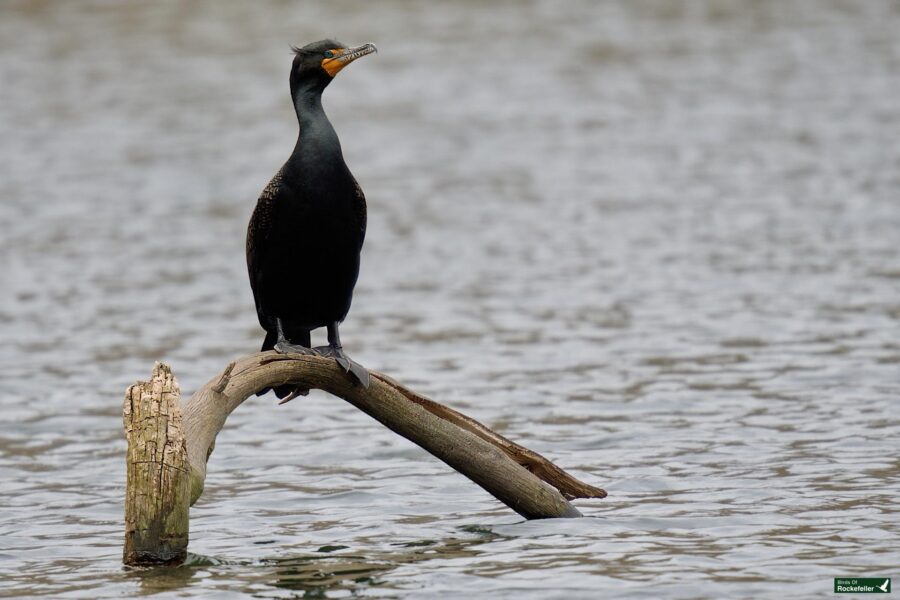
{"points": [[334, 349], [283, 346]]}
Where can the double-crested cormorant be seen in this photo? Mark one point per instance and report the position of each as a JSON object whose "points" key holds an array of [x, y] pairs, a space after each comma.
{"points": [[307, 231]]}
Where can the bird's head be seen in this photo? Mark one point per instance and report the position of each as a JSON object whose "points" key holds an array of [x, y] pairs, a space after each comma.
{"points": [[316, 64]]}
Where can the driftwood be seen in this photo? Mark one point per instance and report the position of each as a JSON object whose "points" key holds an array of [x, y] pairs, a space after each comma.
{"points": [[169, 445]]}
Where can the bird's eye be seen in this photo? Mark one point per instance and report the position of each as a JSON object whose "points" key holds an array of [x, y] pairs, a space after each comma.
{"points": [[329, 54]]}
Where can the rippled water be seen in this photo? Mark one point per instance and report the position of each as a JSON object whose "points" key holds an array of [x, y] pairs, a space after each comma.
{"points": [[655, 241]]}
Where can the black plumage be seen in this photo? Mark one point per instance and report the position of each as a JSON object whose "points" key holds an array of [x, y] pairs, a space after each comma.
{"points": [[306, 233]]}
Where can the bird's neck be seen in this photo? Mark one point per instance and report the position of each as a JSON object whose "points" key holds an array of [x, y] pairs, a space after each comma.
{"points": [[317, 141]]}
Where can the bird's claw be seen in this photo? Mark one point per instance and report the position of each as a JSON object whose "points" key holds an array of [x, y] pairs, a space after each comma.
{"points": [[350, 366], [283, 347], [327, 351], [360, 374], [343, 361]]}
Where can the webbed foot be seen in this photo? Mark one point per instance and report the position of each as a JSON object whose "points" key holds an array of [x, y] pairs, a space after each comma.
{"points": [[356, 370], [285, 347]]}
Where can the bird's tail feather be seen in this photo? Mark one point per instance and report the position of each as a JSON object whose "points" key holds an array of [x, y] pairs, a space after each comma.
{"points": [[269, 342]]}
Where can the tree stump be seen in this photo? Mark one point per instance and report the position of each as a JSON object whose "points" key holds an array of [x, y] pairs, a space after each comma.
{"points": [[156, 493]]}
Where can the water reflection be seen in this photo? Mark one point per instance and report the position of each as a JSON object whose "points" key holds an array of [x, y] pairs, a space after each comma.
{"points": [[156, 580], [332, 568]]}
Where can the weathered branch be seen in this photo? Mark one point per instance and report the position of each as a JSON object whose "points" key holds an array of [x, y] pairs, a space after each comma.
{"points": [[523, 480]]}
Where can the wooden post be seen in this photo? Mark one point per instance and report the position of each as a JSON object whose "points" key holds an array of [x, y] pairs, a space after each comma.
{"points": [[158, 484]]}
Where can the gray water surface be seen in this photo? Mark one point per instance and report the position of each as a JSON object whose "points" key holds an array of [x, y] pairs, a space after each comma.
{"points": [[655, 241]]}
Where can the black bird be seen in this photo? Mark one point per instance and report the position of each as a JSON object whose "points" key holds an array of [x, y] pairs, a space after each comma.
{"points": [[306, 233]]}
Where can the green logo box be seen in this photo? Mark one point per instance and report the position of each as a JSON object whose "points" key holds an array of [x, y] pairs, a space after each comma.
{"points": [[862, 585]]}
